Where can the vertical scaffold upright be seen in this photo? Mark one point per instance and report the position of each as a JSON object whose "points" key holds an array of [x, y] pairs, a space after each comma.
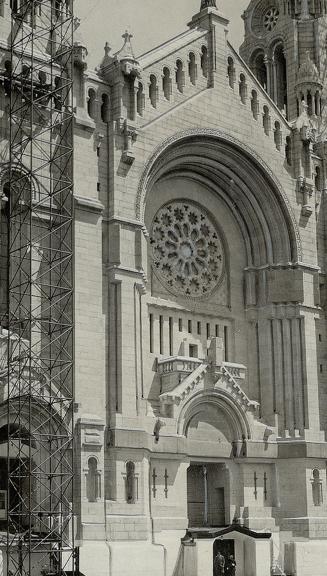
{"points": [[39, 211]]}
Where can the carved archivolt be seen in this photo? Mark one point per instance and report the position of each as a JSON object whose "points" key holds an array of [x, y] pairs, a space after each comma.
{"points": [[189, 136]]}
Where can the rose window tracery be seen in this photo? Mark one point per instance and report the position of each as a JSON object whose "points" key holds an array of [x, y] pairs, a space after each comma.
{"points": [[270, 18], [187, 251]]}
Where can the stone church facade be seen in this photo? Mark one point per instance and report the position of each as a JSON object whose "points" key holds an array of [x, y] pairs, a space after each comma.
{"points": [[200, 341]]}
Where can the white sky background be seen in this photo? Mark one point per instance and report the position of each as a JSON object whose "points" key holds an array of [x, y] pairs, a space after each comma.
{"points": [[150, 21]]}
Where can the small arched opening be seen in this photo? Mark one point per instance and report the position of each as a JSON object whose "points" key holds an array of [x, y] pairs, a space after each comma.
{"points": [[180, 79], [105, 108], [192, 68], [310, 103], [93, 481], [254, 104], [266, 120], [317, 492], [130, 483], [153, 91], [91, 103], [140, 99], [166, 83], [204, 61], [288, 150], [243, 89], [278, 135], [231, 72]]}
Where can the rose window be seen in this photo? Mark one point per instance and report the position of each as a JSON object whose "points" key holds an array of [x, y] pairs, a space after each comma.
{"points": [[270, 18], [187, 251]]}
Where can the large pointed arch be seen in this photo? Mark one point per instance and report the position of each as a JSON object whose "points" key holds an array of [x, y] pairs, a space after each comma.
{"points": [[242, 179]]}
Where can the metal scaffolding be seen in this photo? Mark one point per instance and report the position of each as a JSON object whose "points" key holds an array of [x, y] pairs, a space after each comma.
{"points": [[37, 316]]}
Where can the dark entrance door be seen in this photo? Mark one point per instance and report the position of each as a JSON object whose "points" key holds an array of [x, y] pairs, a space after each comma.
{"points": [[226, 548], [206, 495], [196, 496]]}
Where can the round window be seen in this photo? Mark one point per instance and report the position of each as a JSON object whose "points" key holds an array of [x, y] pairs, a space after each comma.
{"points": [[187, 250], [270, 18]]}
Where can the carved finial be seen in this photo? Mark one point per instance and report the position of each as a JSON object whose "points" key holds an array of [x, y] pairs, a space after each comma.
{"points": [[107, 49], [208, 4], [126, 52], [107, 59], [127, 36]]}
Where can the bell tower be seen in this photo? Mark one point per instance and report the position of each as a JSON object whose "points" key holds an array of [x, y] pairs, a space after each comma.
{"points": [[285, 47]]}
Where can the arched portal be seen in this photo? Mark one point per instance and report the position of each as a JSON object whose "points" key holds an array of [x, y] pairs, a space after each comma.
{"points": [[244, 182], [30, 462], [216, 428]]}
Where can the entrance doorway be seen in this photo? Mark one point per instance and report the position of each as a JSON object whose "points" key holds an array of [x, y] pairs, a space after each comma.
{"points": [[206, 493], [226, 548]]}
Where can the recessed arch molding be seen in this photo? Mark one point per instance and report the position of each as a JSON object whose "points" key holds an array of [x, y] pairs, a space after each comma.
{"points": [[242, 179]]}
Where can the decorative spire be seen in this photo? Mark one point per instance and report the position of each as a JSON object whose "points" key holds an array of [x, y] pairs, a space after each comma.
{"points": [[107, 59], [126, 52], [208, 4]]}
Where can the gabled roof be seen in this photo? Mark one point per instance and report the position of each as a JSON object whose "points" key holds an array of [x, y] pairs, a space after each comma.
{"points": [[199, 533], [169, 47]]}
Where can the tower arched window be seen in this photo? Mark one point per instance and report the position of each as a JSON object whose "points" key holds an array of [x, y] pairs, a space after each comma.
{"points": [[310, 103], [231, 72], [280, 78], [140, 99], [166, 83], [91, 103], [259, 68], [243, 90], [93, 481], [192, 68], [153, 91], [180, 76], [317, 493], [130, 483], [105, 108], [204, 61]]}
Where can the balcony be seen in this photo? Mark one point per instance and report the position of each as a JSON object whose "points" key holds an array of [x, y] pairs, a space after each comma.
{"points": [[174, 370]]}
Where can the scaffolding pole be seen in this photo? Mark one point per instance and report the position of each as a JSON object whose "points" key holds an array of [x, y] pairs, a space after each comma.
{"points": [[38, 317]]}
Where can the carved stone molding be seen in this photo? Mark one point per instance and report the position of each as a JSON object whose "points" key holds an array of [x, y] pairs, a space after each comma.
{"points": [[223, 136]]}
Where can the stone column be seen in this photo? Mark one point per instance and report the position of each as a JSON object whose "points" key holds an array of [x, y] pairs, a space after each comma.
{"points": [[310, 377]]}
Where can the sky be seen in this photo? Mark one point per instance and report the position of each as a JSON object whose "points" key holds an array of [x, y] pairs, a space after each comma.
{"points": [[150, 21]]}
